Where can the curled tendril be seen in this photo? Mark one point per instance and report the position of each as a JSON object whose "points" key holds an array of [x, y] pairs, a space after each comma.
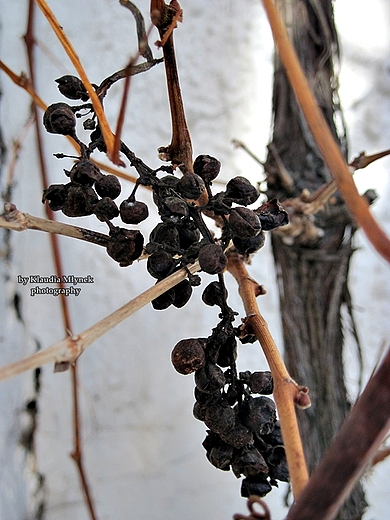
{"points": [[254, 515]]}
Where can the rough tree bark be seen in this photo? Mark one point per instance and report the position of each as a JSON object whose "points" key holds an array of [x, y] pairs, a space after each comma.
{"points": [[312, 260]]}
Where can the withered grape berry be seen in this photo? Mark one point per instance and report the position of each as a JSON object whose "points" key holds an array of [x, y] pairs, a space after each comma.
{"points": [[188, 356], [249, 462], [214, 294], [248, 246], [277, 463], [241, 191], [183, 292], [207, 167], [210, 378], [165, 233], [125, 245], [133, 211], [238, 437], [190, 186], [159, 264], [261, 383], [176, 206], [108, 186], [80, 201], [55, 195], [164, 301], [220, 417], [72, 87], [272, 215], [244, 223], [85, 172], [256, 485], [212, 259], [59, 119], [106, 209], [259, 414]]}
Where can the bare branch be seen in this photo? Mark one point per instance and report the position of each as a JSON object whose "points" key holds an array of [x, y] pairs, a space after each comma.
{"points": [[70, 348]]}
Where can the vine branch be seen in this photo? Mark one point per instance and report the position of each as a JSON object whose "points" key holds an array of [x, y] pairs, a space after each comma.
{"points": [[287, 393], [70, 348]]}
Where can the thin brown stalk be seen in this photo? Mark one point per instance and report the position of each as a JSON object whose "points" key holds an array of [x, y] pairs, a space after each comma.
{"points": [[69, 349], [70, 51], [330, 150], [30, 42], [180, 149], [287, 393]]}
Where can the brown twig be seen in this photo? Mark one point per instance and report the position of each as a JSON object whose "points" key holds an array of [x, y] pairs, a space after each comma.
{"points": [[70, 348], [351, 452], [97, 106], [180, 150], [287, 393], [30, 41], [330, 150]]}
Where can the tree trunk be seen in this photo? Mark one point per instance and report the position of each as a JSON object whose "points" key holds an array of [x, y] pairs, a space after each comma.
{"points": [[312, 260]]}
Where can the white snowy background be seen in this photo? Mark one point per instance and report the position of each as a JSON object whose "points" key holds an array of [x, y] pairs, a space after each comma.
{"points": [[141, 444]]}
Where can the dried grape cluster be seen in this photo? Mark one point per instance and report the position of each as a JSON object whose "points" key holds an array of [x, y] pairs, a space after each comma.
{"points": [[244, 434]]}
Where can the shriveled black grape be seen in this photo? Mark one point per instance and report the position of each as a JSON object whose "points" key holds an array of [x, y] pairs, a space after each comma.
{"points": [[85, 172], [249, 462], [125, 245], [55, 195], [207, 167], [108, 186], [80, 201], [106, 209], [212, 259], [59, 119], [133, 211], [272, 215], [277, 463], [256, 485], [214, 294], [244, 223], [72, 87], [164, 301], [159, 264], [220, 417], [248, 246], [188, 356], [241, 191], [210, 378], [259, 414], [183, 292], [190, 186]]}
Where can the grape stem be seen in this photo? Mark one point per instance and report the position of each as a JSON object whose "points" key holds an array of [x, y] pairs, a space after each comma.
{"points": [[287, 393]]}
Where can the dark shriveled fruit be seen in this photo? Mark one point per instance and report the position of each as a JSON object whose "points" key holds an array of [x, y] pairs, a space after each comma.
{"points": [[256, 485], [133, 211], [106, 209], [108, 186], [244, 223], [209, 378], [212, 259], [188, 356], [59, 119], [207, 167], [125, 245], [55, 195], [80, 201], [72, 87]]}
